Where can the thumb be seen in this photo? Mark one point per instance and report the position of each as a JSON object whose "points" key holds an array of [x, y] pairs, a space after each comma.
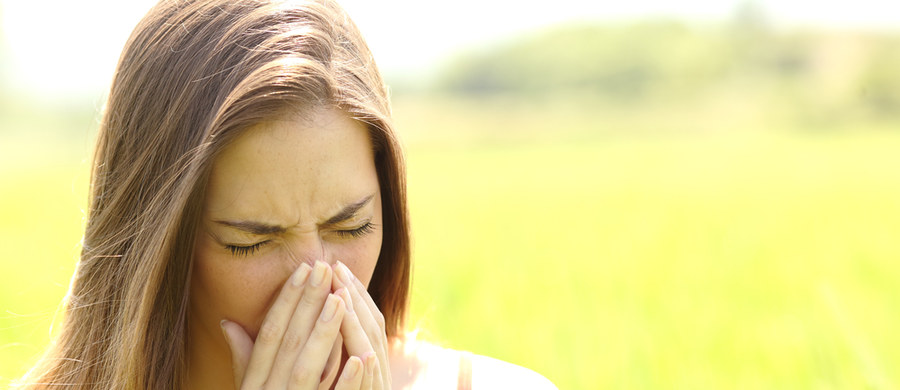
{"points": [[240, 345]]}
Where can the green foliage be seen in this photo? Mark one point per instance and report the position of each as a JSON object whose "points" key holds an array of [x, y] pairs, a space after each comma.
{"points": [[651, 61], [626, 61], [880, 80]]}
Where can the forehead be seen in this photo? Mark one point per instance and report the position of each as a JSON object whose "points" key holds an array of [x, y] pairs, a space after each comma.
{"points": [[295, 167]]}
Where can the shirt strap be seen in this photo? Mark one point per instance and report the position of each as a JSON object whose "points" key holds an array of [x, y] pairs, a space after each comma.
{"points": [[464, 380]]}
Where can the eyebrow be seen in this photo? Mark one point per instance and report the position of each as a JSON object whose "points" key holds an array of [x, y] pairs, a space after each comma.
{"points": [[261, 229], [256, 228], [349, 211]]}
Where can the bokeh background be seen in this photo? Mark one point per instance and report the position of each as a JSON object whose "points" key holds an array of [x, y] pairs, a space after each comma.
{"points": [[650, 195]]}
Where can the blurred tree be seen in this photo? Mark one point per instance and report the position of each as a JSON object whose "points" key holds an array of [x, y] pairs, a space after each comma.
{"points": [[625, 62], [812, 78], [880, 80]]}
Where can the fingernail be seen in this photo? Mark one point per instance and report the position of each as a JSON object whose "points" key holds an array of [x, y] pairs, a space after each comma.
{"points": [[331, 304], [354, 366], [346, 276], [300, 275], [348, 300], [318, 274], [224, 333]]}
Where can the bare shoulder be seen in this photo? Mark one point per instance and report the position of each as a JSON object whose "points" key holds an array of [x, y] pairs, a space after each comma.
{"points": [[490, 373], [423, 365]]}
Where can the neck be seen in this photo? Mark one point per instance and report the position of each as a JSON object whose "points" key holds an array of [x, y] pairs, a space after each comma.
{"points": [[209, 360]]}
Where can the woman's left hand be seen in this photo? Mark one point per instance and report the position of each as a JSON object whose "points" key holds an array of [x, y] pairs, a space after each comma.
{"points": [[363, 327]]}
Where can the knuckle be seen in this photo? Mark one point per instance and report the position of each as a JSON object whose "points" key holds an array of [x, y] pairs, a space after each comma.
{"points": [[309, 299], [293, 340], [301, 375], [269, 333]]}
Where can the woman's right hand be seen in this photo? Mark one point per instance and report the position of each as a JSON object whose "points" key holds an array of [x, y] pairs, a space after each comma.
{"points": [[296, 338]]}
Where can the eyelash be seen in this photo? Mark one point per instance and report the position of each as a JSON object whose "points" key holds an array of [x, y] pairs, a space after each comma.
{"points": [[248, 250], [245, 250], [366, 228]]}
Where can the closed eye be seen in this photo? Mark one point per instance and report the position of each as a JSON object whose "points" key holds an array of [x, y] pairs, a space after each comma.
{"points": [[248, 250], [366, 228]]}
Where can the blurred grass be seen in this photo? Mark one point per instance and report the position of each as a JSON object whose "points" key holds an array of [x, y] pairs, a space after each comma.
{"points": [[745, 257], [680, 261]]}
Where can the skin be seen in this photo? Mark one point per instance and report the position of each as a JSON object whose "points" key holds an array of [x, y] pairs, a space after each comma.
{"points": [[290, 236], [257, 320]]}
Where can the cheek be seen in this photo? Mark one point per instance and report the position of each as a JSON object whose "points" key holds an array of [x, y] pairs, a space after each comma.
{"points": [[361, 256], [240, 290]]}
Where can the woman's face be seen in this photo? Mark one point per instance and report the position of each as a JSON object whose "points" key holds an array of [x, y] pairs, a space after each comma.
{"points": [[294, 190]]}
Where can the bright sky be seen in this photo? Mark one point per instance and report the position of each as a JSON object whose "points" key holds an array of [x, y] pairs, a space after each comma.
{"points": [[69, 48]]}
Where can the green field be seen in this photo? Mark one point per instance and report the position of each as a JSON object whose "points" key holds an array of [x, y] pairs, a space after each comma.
{"points": [[706, 260]]}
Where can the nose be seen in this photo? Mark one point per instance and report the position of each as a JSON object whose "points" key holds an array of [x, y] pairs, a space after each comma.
{"points": [[307, 248]]}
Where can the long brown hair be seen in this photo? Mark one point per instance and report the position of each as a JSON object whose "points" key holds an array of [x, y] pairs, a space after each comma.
{"points": [[191, 77]]}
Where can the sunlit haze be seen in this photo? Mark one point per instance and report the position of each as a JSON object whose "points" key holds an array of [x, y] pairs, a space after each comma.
{"points": [[69, 49]]}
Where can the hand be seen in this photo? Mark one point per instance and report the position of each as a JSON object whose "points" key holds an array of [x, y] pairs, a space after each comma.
{"points": [[363, 326], [296, 338]]}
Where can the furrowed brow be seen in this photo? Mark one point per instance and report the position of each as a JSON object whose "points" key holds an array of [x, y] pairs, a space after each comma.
{"points": [[257, 228], [349, 211]]}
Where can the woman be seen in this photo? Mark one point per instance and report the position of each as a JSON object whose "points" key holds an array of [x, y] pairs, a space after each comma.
{"points": [[247, 224]]}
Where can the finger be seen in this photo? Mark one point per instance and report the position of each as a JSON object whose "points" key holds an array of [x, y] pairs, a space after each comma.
{"points": [[272, 329], [355, 338], [373, 308], [369, 377], [333, 365], [301, 323], [239, 343], [358, 343], [372, 322], [377, 377], [352, 376], [362, 302], [311, 363]]}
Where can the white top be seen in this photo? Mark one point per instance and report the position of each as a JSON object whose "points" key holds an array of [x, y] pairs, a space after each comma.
{"points": [[422, 365]]}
